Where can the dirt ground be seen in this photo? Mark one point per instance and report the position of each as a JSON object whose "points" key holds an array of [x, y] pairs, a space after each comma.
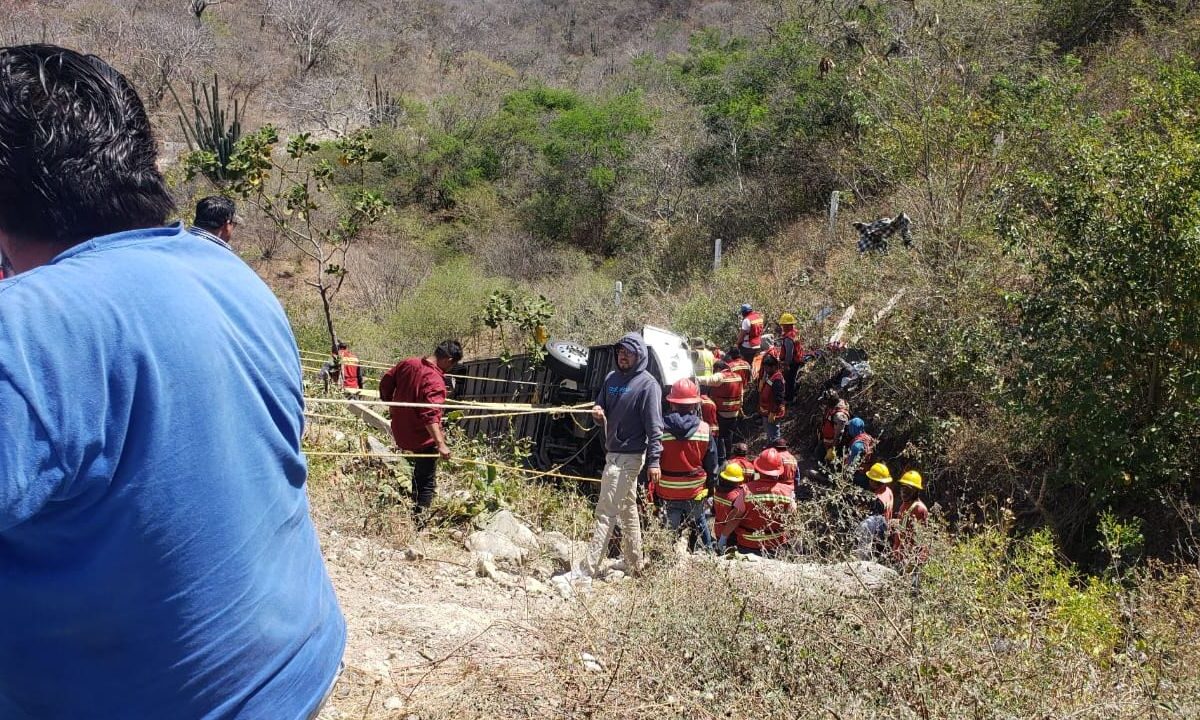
{"points": [[427, 638]]}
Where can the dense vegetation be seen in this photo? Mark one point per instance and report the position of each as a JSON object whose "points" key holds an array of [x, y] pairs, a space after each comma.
{"points": [[1046, 354]]}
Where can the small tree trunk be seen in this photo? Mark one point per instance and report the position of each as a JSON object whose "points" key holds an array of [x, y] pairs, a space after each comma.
{"points": [[324, 290]]}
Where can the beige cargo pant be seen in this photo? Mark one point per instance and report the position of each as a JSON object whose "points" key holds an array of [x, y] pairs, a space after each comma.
{"points": [[617, 504]]}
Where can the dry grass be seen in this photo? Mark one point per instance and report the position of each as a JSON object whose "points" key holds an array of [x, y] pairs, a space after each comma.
{"points": [[994, 627]]}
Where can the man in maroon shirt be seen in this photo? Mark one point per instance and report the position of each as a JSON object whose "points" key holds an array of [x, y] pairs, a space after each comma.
{"points": [[418, 430]]}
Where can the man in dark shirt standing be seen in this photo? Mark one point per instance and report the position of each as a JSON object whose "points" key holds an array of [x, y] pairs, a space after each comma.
{"points": [[418, 430]]}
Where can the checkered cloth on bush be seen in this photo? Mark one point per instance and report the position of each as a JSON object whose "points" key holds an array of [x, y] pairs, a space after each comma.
{"points": [[874, 236]]}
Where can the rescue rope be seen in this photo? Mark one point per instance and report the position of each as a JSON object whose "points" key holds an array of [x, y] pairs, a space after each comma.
{"points": [[515, 408], [377, 366], [477, 463], [330, 417]]}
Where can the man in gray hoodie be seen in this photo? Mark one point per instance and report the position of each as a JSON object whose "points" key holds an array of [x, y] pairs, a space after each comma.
{"points": [[629, 405]]}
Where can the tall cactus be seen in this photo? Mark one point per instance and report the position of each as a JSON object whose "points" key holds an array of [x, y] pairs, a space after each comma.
{"points": [[385, 110], [208, 128]]}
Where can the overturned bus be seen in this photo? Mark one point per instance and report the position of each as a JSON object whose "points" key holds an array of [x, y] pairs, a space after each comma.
{"points": [[569, 374]]}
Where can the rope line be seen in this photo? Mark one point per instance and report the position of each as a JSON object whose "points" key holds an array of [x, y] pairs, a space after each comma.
{"points": [[377, 366], [515, 408], [330, 417], [478, 463]]}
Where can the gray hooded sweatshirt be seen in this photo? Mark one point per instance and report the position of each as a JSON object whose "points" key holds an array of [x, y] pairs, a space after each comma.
{"points": [[632, 403]]}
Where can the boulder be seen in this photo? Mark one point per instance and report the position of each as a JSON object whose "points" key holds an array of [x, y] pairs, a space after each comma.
{"points": [[565, 553], [499, 547], [505, 523], [846, 579]]}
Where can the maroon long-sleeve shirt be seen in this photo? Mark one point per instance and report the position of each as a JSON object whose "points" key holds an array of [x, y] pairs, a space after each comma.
{"points": [[415, 380]]}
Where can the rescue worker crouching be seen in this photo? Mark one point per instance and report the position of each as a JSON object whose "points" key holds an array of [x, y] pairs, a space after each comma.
{"points": [[860, 451], [907, 549], [688, 460], [760, 508], [873, 531], [729, 483], [791, 466], [834, 417]]}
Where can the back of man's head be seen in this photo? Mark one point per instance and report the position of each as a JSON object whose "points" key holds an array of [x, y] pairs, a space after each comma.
{"points": [[213, 212], [76, 151], [449, 350]]}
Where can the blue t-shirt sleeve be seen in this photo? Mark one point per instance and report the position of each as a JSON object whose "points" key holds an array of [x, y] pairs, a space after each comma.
{"points": [[30, 473]]}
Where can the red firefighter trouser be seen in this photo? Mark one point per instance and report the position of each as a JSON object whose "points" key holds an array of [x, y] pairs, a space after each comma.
{"points": [[617, 504]]}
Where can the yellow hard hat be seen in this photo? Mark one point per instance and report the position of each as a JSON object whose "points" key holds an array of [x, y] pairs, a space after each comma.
{"points": [[733, 473], [787, 319], [912, 478], [830, 454], [880, 473]]}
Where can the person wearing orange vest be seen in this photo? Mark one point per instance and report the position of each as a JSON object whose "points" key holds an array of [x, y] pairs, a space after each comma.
{"points": [[725, 389], [737, 363], [873, 530], [791, 352], [760, 508], [860, 451], [729, 483], [349, 373], [771, 391], [708, 413], [905, 546], [749, 339], [791, 466], [688, 460], [835, 416]]}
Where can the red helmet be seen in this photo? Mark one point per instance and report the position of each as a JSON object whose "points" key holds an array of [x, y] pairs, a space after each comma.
{"points": [[684, 392], [769, 463]]}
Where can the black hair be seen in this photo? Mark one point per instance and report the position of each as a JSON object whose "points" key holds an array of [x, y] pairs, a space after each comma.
{"points": [[739, 449], [769, 359], [449, 349], [720, 365], [76, 150], [342, 346], [214, 211]]}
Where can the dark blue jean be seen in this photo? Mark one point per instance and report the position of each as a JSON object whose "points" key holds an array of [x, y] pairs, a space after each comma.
{"points": [[689, 512]]}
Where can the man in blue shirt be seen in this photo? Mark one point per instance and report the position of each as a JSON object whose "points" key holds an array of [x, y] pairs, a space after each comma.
{"points": [[157, 559]]}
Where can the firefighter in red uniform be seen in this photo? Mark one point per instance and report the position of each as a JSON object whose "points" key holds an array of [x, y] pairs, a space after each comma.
{"points": [[791, 352], [729, 483], [689, 459], [760, 508], [835, 415], [907, 548], [350, 374], [708, 413], [791, 466], [725, 389], [749, 339], [860, 452], [771, 390], [739, 455]]}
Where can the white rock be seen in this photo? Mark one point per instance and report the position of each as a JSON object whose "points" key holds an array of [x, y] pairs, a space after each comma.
{"points": [[565, 552], [506, 524], [500, 547], [393, 703], [590, 663], [485, 566]]}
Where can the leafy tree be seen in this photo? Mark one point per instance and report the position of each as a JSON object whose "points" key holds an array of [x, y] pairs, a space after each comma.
{"points": [[1110, 337], [582, 149], [295, 193]]}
